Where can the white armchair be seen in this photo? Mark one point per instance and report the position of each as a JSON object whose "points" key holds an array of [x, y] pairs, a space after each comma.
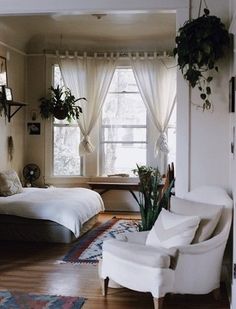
{"points": [[190, 269]]}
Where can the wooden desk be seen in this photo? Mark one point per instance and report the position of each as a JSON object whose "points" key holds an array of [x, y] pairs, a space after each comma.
{"points": [[107, 186]]}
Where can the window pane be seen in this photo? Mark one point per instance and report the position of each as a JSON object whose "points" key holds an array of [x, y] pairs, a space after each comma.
{"points": [[123, 80], [123, 125], [122, 158], [66, 151], [124, 109], [124, 134], [57, 77], [172, 121]]}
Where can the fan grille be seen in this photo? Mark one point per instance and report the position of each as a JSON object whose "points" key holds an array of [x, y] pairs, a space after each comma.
{"points": [[31, 172]]}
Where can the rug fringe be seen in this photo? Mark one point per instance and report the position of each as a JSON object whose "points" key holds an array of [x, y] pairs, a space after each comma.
{"points": [[58, 262]]}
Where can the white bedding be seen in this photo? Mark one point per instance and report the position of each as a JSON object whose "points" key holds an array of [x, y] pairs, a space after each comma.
{"points": [[70, 207]]}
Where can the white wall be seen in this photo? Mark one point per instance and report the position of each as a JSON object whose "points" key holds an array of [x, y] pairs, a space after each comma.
{"points": [[203, 137], [233, 156], [209, 146], [16, 128], [36, 88]]}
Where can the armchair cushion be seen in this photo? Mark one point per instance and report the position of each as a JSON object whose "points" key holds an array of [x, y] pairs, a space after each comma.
{"points": [[139, 254], [172, 230], [209, 214]]}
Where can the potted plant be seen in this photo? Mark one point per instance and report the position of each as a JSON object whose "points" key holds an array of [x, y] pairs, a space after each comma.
{"points": [[3, 101], [149, 200], [60, 104], [199, 44]]}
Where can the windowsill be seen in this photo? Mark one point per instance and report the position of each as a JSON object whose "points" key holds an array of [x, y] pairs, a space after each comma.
{"points": [[73, 180], [114, 179]]}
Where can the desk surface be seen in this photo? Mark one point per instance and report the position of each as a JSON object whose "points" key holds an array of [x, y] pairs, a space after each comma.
{"points": [[107, 186]]}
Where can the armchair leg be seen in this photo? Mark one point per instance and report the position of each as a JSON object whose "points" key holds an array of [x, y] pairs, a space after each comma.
{"points": [[158, 302], [104, 286], [217, 294]]}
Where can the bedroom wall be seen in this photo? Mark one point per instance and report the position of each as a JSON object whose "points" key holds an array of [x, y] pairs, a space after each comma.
{"points": [[203, 137], [36, 89], [233, 140], [16, 69], [210, 146]]}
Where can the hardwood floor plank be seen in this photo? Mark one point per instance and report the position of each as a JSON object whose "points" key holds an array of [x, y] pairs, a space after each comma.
{"points": [[31, 267]]}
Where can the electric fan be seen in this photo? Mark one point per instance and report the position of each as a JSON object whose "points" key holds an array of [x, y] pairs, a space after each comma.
{"points": [[31, 172]]}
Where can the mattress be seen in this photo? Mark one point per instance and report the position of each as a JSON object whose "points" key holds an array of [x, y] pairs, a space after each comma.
{"points": [[60, 212]]}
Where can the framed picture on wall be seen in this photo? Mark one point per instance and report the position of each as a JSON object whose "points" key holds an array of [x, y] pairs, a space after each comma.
{"points": [[33, 128], [3, 71], [232, 95], [8, 94]]}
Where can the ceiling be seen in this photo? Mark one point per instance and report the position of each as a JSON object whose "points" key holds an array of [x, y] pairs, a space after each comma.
{"points": [[123, 32]]}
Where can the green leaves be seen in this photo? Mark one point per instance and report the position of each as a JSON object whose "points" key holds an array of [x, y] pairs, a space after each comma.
{"points": [[149, 201], [199, 44], [203, 96], [208, 90], [61, 104]]}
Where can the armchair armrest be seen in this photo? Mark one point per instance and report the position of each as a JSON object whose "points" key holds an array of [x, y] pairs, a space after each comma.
{"points": [[205, 246]]}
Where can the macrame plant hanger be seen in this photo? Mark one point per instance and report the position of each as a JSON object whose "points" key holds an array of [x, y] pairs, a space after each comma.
{"points": [[200, 7]]}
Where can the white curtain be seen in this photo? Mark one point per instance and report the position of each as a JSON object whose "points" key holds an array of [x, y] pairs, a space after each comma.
{"points": [[88, 77], [156, 79]]}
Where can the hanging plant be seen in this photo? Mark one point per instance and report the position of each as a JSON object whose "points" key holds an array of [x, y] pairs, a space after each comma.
{"points": [[199, 44], [3, 101], [60, 104]]}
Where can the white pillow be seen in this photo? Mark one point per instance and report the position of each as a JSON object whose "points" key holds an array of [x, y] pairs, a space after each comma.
{"points": [[172, 230], [209, 214], [9, 183]]}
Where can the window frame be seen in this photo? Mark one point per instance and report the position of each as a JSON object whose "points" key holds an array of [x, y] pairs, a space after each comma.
{"points": [[62, 125], [51, 62]]}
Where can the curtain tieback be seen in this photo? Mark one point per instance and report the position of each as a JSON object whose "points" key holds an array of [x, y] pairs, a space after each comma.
{"points": [[86, 146], [162, 144]]}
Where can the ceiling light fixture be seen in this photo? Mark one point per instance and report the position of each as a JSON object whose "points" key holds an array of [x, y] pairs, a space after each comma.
{"points": [[99, 16]]}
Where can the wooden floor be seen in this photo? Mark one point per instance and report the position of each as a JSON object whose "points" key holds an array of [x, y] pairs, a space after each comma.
{"points": [[31, 267]]}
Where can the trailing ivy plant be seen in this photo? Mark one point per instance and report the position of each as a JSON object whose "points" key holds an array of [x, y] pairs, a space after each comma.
{"points": [[199, 44]]}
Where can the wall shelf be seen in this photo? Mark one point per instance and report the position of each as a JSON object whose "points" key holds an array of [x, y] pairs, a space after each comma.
{"points": [[12, 108], [17, 105]]}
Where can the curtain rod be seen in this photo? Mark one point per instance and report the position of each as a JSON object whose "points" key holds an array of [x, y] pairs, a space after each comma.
{"points": [[109, 54]]}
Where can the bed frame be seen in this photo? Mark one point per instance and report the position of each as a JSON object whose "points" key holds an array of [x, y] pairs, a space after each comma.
{"points": [[24, 229]]}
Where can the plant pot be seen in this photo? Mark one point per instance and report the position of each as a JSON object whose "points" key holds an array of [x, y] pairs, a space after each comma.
{"points": [[60, 112]]}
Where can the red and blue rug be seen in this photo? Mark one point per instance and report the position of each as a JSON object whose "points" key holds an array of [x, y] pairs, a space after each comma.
{"points": [[88, 248], [16, 300]]}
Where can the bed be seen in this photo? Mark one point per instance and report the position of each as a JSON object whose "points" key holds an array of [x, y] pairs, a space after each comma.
{"points": [[52, 214]]}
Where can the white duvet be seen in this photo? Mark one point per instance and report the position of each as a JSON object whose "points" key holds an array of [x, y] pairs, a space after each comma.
{"points": [[70, 207]]}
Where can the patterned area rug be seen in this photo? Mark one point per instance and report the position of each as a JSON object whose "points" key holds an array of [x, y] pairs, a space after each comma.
{"points": [[88, 249], [15, 300]]}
